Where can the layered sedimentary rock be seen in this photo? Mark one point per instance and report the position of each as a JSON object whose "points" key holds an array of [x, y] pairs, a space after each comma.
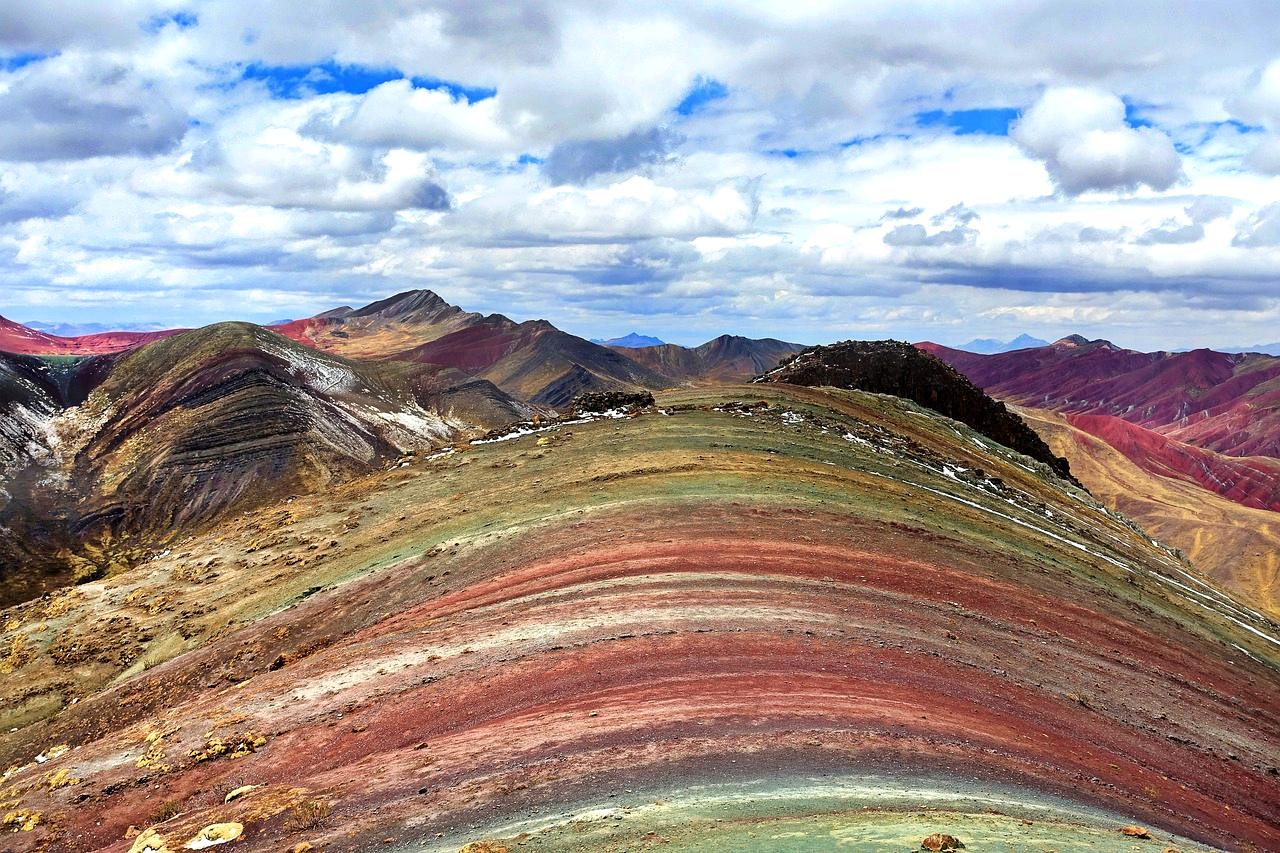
{"points": [[772, 617], [109, 459]]}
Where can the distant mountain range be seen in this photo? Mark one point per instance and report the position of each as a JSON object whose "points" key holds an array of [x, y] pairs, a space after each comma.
{"points": [[533, 361], [1266, 349], [75, 330], [989, 346], [631, 341]]}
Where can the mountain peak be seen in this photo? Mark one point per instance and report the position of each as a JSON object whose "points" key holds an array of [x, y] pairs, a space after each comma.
{"points": [[403, 305], [632, 340], [1082, 341], [991, 346]]}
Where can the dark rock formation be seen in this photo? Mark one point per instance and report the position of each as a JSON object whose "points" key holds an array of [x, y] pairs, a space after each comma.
{"points": [[604, 401], [900, 369]]}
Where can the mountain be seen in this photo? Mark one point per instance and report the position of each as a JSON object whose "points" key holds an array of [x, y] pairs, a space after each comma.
{"points": [[1203, 418], [900, 369], [1238, 546], [728, 358], [1265, 349], [989, 346], [630, 341], [126, 453], [1227, 403], [534, 361], [19, 339], [381, 328], [73, 330], [735, 620]]}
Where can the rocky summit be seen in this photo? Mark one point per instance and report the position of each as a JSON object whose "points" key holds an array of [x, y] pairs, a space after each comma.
{"points": [[897, 368]]}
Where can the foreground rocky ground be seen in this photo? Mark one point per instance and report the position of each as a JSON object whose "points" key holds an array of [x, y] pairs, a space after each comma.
{"points": [[758, 617]]}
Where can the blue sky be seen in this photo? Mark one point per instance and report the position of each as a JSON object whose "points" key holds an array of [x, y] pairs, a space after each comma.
{"points": [[917, 170]]}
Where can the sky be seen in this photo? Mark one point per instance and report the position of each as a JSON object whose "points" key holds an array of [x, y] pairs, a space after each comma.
{"points": [[810, 171]]}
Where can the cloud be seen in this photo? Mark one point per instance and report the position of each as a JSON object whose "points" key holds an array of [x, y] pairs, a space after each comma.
{"points": [[282, 168], [310, 160], [54, 26], [75, 106], [398, 114], [1081, 136], [1265, 156], [1090, 234], [576, 161], [1209, 208], [1173, 232], [957, 213], [38, 202], [340, 224], [1260, 105], [1262, 229], [915, 235]]}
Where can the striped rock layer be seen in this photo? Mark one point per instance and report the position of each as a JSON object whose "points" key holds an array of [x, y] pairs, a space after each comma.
{"points": [[835, 621]]}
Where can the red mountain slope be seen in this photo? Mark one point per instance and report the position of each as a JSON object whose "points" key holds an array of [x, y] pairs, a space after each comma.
{"points": [[1250, 481], [534, 360], [1229, 403]]}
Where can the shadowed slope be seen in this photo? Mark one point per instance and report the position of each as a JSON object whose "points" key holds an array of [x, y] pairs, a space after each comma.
{"points": [[728, 358], [721, 625], [535, 361]]}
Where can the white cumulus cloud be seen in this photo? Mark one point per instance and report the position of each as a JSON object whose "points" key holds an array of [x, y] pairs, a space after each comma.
{"points": [[1085, 143]]}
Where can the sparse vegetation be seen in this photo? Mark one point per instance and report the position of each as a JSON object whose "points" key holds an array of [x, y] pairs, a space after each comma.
{"points": [[166, 811], [308, 814]]}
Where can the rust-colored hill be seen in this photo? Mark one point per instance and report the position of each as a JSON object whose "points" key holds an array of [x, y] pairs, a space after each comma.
{"points": [[1225, 402], [19, 339], [382, 328], [534, 360]]}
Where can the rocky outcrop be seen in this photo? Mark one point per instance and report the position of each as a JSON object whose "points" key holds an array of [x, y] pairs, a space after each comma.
{"points": [[607, 401], [900, 369]]}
